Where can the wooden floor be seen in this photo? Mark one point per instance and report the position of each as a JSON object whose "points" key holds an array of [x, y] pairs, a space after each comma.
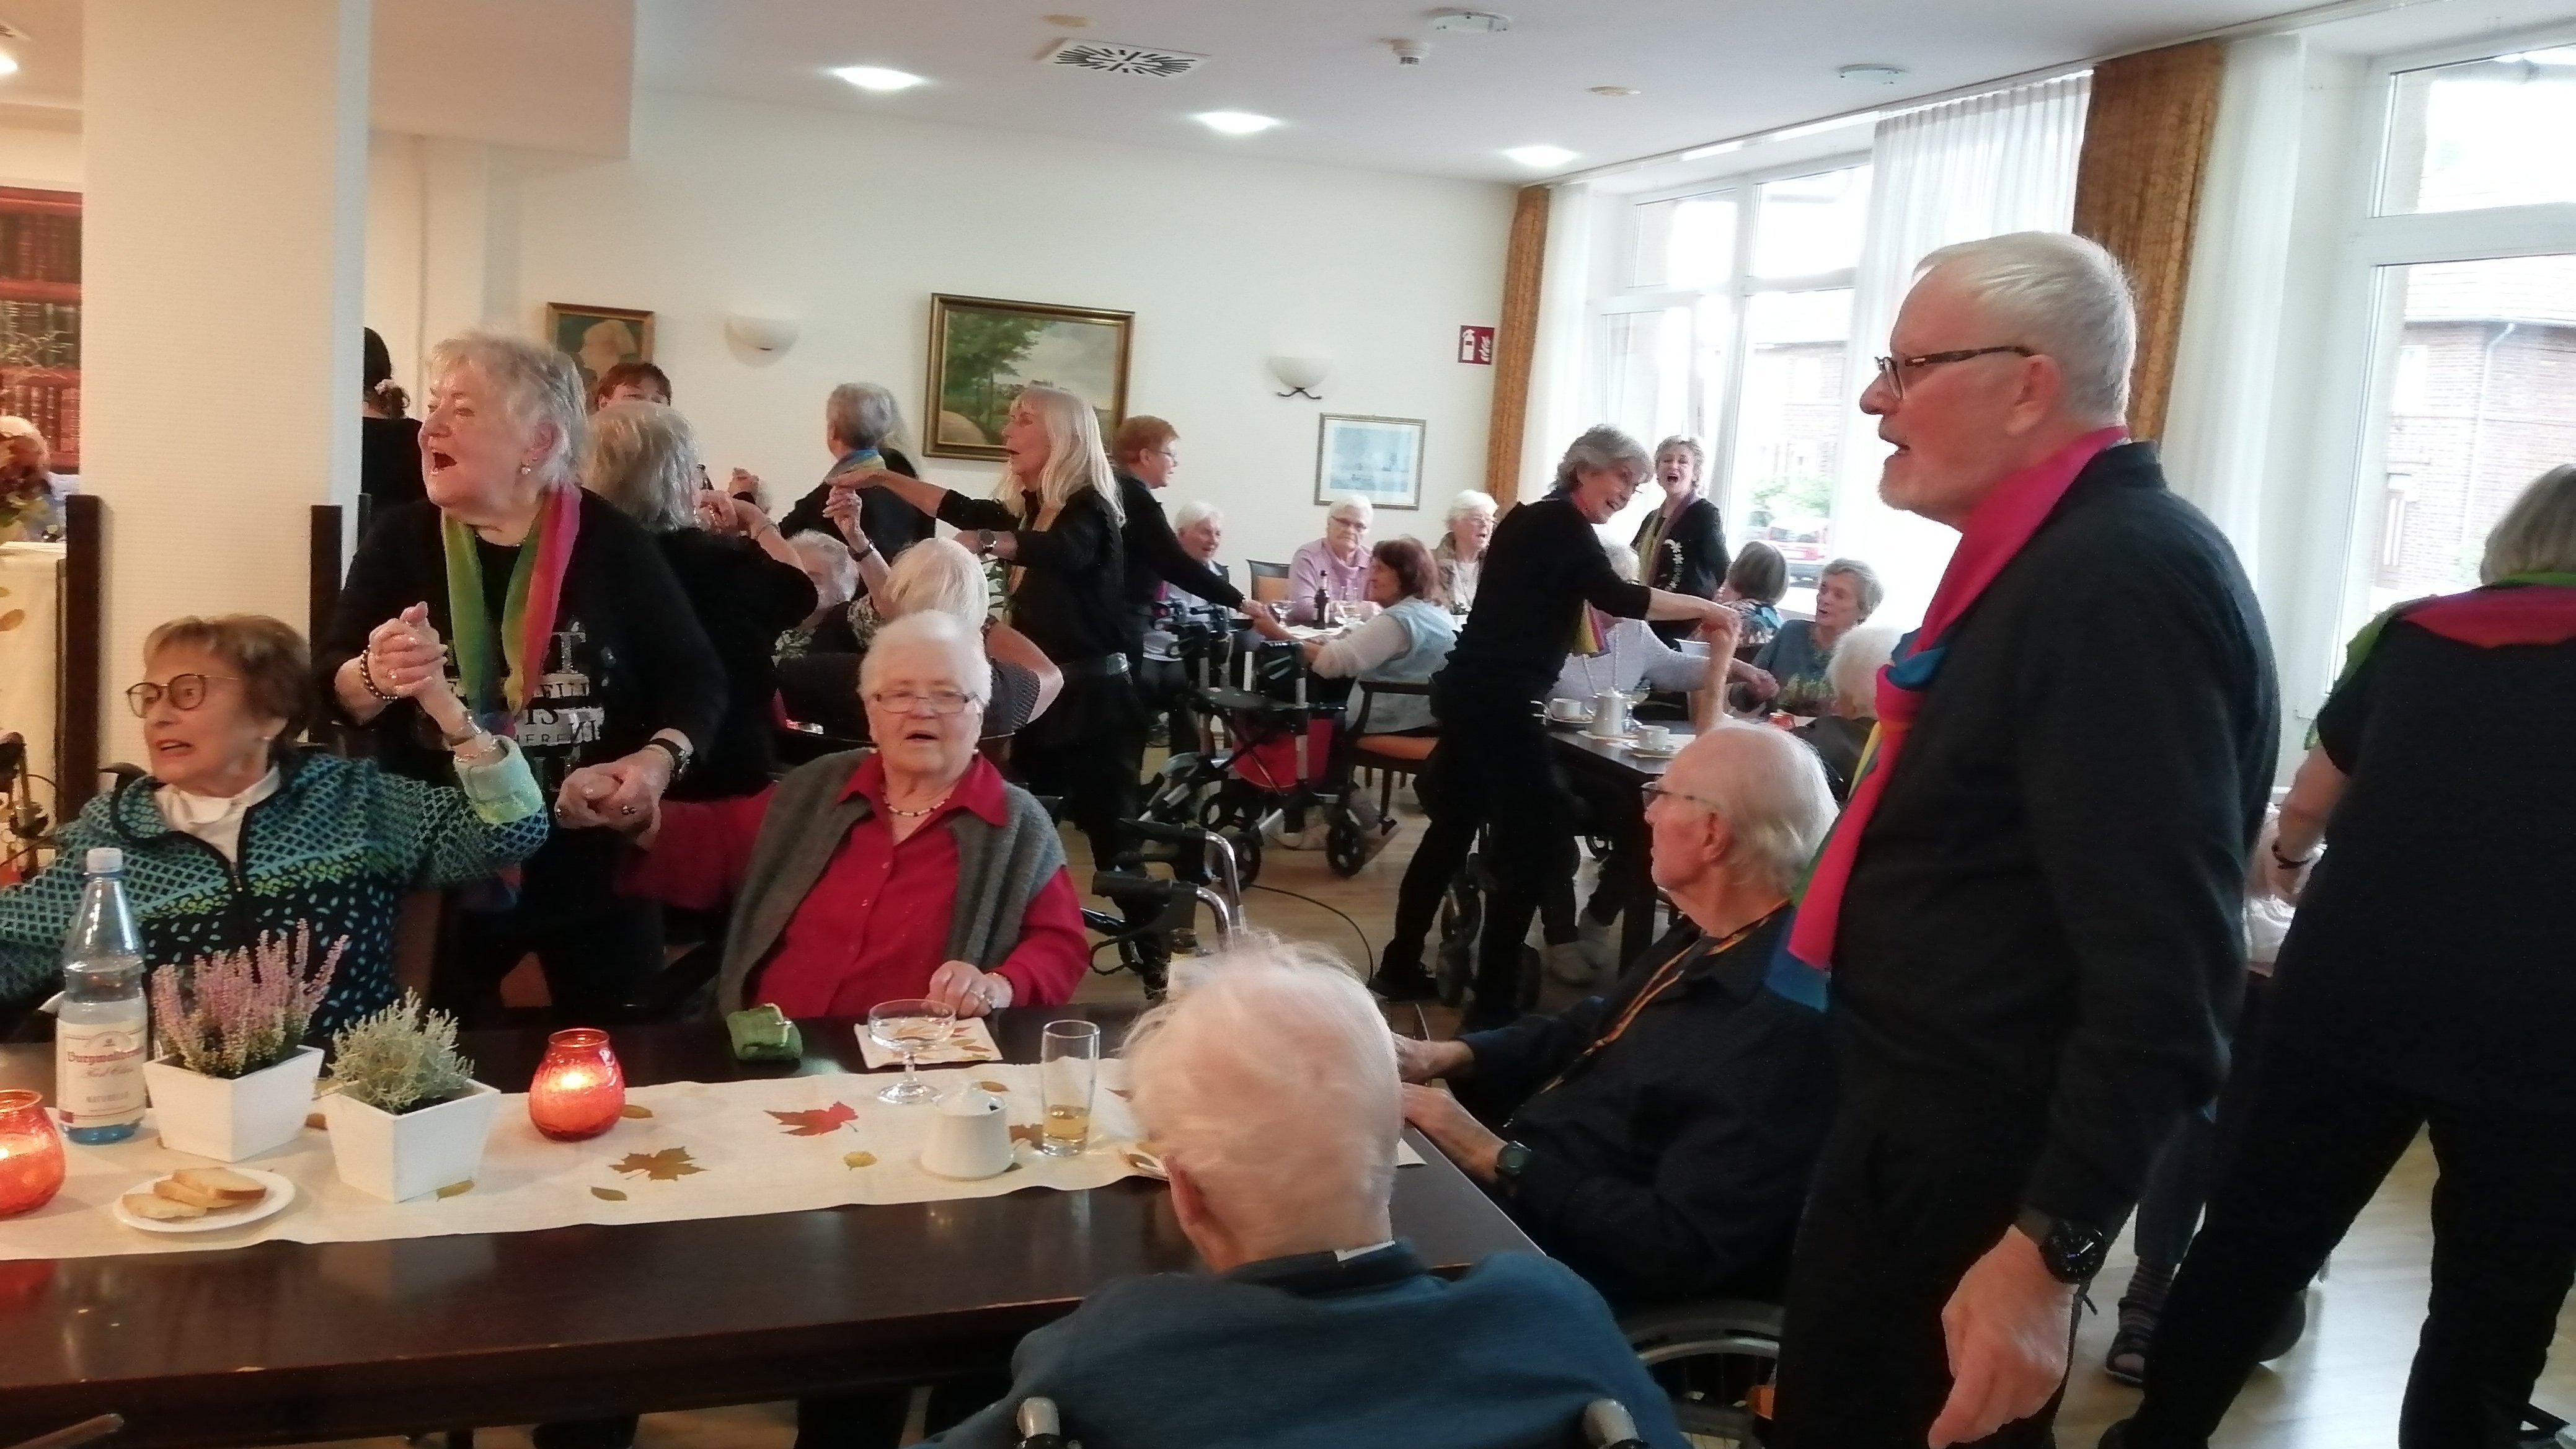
{"points": [[2339, 1389]]}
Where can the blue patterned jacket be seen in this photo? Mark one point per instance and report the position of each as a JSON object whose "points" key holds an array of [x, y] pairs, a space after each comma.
{"points": [[338, 845]]}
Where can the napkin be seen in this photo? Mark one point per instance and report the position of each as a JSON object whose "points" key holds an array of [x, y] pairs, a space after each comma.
{"points": [[764, 1034], [970, 1041]]}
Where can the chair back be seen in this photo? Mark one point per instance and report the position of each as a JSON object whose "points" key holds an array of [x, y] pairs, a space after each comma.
{"points": [[1269, 581]]}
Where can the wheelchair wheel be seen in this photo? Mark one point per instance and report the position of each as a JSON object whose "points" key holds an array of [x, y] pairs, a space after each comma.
{"points": [[1245, 841], [1718, 1365], [1345, 844]]}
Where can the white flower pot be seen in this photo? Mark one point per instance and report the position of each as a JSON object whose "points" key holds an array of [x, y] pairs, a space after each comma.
{"points": [[398, 1156], [229, 1119]]}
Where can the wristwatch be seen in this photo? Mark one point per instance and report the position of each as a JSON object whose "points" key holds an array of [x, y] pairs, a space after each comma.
{"points": [[2071, 1251], [680, 757], [984, 540], [1510, 1163]]}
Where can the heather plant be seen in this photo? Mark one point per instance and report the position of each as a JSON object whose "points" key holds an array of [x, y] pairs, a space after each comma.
{"points": [[238, 1012], [401, 1058]]}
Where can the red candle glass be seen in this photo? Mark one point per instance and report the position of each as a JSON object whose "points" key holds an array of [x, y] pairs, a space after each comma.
{"points": [[31, 1154], [578, 1091]]}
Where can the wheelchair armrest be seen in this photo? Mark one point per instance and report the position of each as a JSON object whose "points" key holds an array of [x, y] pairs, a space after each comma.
{"points": [[1705, 1320]]}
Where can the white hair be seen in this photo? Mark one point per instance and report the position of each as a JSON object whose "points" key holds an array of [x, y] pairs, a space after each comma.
{"points": [[1602, 446], [1623, 560], [963, 646], [534, 386], [1352, 503], [820, 548], [861, 414], [1196, 512], [937, 576], [1768, 787], [2537, 534], [2061, 296], [1868, 590], [1272, 1081], [643, 459], [1853, 669], [1470, 500]]}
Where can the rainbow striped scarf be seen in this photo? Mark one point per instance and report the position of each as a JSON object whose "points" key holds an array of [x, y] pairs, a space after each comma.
{"points": [[500, 665]]}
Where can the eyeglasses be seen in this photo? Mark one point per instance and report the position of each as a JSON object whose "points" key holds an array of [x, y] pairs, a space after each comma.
{"points": [[942, 702], [1653, 790], [1892, 370], [185, 691]]}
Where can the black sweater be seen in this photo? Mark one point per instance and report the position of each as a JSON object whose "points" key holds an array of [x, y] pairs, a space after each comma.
{"points": [[889, 522], [1155, 556], [2045, 914], [1692, 557], [1071, 601], [1544, 564], [744, 599]]}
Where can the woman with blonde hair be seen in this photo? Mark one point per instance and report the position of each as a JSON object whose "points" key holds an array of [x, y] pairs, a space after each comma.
{"points": [[1058, 524]]}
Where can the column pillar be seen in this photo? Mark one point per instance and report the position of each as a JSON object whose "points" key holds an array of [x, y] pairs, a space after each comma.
{"points": [[223, 259]]}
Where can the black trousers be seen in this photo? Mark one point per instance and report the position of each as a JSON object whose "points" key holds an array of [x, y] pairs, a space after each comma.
{"points": [[1911, 1190], [595, 956], [1495, 767], [2315, 1143], [1088, 751], [1437, 858], [874, 1419]]}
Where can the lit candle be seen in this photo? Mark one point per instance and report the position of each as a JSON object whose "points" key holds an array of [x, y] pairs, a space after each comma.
{"points": [[578, 1091], [31, 1156]]}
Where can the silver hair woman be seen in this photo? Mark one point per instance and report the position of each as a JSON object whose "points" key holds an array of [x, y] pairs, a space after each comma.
{"points": [[1847, 593], [1840, 733], [860, 415], [861, 422], [1460, 553], [561, 609]]}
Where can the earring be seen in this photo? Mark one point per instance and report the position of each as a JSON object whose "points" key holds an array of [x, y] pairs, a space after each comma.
{"points": [[526, 468]]}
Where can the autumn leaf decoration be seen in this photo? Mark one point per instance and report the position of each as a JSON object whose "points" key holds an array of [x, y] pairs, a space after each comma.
{"points": [[818, 1122], [1028, 1132], [668, 1165]]}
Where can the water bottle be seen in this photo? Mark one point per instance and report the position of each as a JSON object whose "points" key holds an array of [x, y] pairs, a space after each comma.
{"points": [[101, 1034]]}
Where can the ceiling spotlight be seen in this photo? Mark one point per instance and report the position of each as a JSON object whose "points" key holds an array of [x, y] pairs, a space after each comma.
{"points": [[1236, 123], [877, 78], [1872, 75], [1616, 92], [8, 63], [1541, 157]]}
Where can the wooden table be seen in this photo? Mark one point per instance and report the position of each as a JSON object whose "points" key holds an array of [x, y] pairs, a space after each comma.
{"points": [[280, 1341], [1621, 773]]}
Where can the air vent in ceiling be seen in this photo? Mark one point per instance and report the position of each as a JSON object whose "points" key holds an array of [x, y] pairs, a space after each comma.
{"points": [[1115, 59]]}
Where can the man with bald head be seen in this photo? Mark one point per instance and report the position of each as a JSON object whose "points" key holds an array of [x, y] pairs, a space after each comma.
{"points": [[1268, 1084], [2030, 908], [1659, 1139]]}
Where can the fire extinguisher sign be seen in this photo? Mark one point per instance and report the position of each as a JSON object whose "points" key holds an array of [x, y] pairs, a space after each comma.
{"points": [[1476, 345]]}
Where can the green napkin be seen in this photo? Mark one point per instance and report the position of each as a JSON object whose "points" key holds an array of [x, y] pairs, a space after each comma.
{"points": [[764, 1034]]}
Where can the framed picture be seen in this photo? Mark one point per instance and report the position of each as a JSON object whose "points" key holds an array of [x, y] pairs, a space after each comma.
{"points": [[599, 338], [983, 351], [1380, 459]]}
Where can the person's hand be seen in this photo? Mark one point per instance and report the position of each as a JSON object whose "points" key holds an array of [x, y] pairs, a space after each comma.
{"points": [[1722, 629], [743, 480], [2286, 881], [969, 990], [404, 654], [1420, 1061], [1759, 681], [578, 804], [2007, 1326], [1314, 650], [621, 793], [1453, 1130]]}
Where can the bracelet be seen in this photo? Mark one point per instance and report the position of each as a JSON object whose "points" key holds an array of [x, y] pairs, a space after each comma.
{"points": [[367, 677], [2285, 863]]}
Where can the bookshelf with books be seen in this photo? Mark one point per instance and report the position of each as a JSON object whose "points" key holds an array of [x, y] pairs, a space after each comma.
{"points": [[40, 315]]}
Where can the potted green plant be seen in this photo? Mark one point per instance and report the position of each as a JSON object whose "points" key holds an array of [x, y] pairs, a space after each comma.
{"points": [[406, 1115], [234, 1077]]}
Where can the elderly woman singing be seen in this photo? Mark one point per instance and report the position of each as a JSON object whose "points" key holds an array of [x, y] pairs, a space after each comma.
{"points": [[911, 870], [571, 636]]}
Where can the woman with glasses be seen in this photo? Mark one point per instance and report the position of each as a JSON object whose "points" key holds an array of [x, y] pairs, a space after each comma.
{"points": [[238, 833], [862, 877]]}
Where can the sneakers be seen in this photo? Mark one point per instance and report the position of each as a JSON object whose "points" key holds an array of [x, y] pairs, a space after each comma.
{"points": [[1571, 964], [1403, 980]]}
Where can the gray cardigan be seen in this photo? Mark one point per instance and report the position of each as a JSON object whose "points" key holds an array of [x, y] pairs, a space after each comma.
{"points": [[999, 869]]}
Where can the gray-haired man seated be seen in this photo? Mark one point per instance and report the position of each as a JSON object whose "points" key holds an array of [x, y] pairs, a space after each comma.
{"points": [[1270, 1085]]}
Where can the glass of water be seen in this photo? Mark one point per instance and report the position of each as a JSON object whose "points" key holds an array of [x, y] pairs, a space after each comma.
{"points": [[1068, 1070], [907, 1029]]}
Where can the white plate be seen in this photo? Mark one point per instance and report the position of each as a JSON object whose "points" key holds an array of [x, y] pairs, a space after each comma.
{"points": [[280, 1193], [1666, 753]]}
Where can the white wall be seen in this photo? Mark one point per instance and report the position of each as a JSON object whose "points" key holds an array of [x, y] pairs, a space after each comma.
{"points": [[41, 150], [848, 224]]}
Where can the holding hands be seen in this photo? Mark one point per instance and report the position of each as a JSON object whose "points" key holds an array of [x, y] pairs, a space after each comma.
{"points": [[405, 659], [620, 794]]}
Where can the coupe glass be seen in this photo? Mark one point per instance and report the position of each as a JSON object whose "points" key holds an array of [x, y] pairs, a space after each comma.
{"points": [[909, 1028]]}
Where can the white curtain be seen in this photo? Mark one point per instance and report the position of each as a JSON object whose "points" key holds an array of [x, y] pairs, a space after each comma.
{"points": [[1557, 389], [2001, 162], [2217, 441]]}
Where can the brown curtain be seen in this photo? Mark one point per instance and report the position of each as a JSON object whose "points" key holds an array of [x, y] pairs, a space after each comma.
{"points": [[2137, 192], [1515, 343]]}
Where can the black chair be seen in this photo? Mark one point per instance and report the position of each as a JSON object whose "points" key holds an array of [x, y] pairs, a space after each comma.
{"points": [[1269, 581]]}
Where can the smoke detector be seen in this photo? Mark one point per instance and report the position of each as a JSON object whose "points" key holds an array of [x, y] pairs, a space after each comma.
{"points": [[1478, 22], [1115, 59], [1408, 51]]}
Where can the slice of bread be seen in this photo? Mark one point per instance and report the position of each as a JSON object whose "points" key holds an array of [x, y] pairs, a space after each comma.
{"points": [[197, 1197], [158, 1208], [222, 1181]]}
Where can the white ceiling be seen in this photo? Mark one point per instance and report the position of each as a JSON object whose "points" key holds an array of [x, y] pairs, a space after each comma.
{"points": [[1708, 69]]}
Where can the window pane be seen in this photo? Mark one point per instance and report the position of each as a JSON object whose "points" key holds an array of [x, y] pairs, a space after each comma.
{"points": [[1685, 242], [2480, 364], [1649, 370], [1789, 430], [2482, 133], [1811, 224], [1716, 346]]}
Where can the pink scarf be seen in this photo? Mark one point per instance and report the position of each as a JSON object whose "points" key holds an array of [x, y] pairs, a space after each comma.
{"points": [[1994, 536]]}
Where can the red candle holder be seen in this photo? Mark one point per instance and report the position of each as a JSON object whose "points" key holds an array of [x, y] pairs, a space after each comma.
{"points": [[578, 1091], [31, 1154]]}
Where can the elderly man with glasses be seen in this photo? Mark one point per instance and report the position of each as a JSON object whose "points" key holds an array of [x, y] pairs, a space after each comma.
{"points": [[912, 870], [2030, 910], [1659, 1139]]}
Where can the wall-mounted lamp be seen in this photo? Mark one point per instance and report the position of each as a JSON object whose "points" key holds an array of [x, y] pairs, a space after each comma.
{"points": [[1302, 375], [761, 334]]}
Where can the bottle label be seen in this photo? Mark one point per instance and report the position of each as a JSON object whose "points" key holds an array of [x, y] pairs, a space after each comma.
{"points": [[98, 1070]]}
